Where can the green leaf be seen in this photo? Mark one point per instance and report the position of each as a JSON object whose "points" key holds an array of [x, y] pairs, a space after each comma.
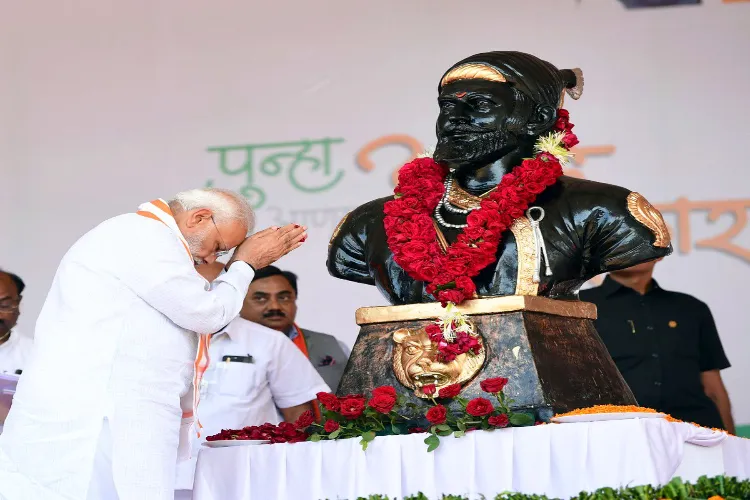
{"points": [[444, 433], [521, 419], [432, 442], [461, 425], [395, 429], [368, 436], [459, 434], [447, 286], [314, 438], [443, 427], [335, 434]]}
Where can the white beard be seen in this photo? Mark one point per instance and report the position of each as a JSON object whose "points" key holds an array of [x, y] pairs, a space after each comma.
{"points": [[195, 243]]}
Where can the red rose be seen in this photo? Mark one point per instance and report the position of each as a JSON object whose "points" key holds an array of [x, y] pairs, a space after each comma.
{"points": [[428, 271], [384, 390], [429, 389], [415, 250], [382, 403], [298, 438], [416, 430], [330, 401], [455, 296], [305, 420], [286, 430], [479, 407], [436, 415], [493, 385], [331, 426], [535, 187], [457, 265], [499, 420], [466, 285], [352, 408], [474, 232], [450, 391], [570, 140], [433, 329]]}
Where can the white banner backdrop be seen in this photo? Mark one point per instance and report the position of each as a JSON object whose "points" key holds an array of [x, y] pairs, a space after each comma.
{"points": [[312, 105]]}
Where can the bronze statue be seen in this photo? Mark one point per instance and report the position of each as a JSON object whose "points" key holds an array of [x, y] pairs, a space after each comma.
{"points": [[491, 217], [485, 129]]}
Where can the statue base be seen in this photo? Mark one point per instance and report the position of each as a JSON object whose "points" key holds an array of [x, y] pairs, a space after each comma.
{"points": [[548, 349]]}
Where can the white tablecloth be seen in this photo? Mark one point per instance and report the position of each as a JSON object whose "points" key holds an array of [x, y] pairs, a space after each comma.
{"points": [[558, 460]]}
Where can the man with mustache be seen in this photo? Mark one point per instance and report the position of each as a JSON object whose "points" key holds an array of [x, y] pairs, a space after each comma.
{"points": [[272, 302], [105, 403], [14, 347]]}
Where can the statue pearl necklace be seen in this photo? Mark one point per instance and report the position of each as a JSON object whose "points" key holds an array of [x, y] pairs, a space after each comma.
{"points": [[474, 203], [446, 203]]}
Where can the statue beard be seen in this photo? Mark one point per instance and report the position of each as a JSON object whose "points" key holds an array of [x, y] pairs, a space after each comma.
{"points": [[466, 146]]}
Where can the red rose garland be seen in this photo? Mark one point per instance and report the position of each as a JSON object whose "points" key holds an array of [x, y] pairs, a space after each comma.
{"points": [[411, 234]]}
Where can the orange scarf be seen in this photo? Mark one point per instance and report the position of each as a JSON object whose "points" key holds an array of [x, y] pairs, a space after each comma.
{"points": [[300, 342], [159, 210]]}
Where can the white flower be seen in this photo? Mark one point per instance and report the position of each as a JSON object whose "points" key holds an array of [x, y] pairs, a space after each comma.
{"points": [[552, 144]]}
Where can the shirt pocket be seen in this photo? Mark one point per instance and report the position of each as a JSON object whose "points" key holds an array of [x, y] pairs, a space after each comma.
{"points": [[237, 379]]}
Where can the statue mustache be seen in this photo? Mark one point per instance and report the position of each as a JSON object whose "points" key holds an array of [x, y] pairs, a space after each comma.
{"points": [[463, 129]]}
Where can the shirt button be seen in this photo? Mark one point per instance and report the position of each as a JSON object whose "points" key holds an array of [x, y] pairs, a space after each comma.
{"points": [[657, 383], [654, 354], [650, 327]]}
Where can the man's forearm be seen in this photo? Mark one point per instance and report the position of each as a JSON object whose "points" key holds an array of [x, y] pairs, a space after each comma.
{"points": [[725, 410], [292, 414]]}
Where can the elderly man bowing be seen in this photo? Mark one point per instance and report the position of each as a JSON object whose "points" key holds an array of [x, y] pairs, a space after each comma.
{"points": [[109, 381]]}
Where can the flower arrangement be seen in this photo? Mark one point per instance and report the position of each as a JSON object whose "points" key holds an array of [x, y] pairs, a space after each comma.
{"points": [[454, 334], [282, 433], [386, 413]]}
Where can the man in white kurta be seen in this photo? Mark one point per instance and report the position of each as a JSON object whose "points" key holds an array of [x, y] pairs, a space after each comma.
{"points": [[114, 354], [269, 381]]}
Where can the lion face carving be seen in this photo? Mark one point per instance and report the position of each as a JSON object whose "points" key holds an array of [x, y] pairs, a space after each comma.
{"points": [[416, 362]]}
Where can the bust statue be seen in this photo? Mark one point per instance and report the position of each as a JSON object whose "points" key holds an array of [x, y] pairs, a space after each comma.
{"points": [[500, 123]]}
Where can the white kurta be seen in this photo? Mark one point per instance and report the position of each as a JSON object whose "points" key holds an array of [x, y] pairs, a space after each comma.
{"points": [[236, 395], [14, 352], [115, 340]]}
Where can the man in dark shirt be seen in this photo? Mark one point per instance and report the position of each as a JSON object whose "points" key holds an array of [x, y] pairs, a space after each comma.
{"points": [[665, 344]]}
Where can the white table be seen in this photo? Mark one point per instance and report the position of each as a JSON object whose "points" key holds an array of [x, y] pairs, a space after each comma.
{"points": [[558, 460]]}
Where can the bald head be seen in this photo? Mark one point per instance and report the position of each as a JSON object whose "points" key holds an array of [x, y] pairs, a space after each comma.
{"points": [[213, 221]]}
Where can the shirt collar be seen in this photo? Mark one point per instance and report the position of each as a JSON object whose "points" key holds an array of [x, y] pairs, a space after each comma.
{"points": [[611, 287]]}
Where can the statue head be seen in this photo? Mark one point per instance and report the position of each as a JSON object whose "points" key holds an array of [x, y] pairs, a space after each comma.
{"points": [[416, 362], [496, 102]]}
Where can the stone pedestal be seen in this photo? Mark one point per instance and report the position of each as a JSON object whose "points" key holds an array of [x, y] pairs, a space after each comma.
{"points": [[549, 349]]}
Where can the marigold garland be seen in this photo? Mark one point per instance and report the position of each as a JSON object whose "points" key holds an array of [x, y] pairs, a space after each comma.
{"points": [[630, 409], [411, 234]]}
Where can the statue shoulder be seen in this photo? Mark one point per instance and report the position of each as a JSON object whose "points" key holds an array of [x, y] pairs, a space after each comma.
{"points": [[607, 202], [586, 193], [361, 217], [347, 248]]}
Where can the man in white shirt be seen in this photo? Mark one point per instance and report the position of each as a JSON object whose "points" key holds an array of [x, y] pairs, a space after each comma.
{"points": [[123, 334], [256, 376], [14, 347]]}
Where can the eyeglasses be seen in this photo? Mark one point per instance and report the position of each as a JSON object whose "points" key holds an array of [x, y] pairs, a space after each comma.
{"points": [[220, 253], [9, 305]]}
